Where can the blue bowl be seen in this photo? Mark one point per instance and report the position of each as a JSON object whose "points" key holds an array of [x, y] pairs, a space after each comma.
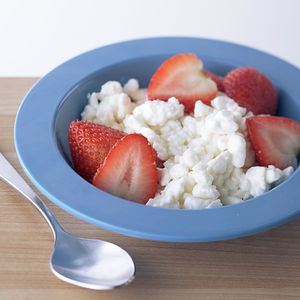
{"points": [[58, 98]]}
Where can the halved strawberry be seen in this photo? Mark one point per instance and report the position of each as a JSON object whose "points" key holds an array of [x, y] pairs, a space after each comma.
{"points": [[252, 90], [217, 79], [182, 76], [159, 163], [129, 171], [276, 140], [89, 145]]}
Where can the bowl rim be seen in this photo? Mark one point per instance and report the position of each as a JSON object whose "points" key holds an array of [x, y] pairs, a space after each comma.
{"points": [[36, 118]]}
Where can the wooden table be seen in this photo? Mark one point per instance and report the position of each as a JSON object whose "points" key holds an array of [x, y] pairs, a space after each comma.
{"points": [[264, 266]]}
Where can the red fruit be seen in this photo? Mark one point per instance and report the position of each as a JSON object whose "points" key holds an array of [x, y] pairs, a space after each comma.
{"points": [[252, 90], [129, 171], [89, 145], [217, 79], [182, 76], [159, 163], [276, 140]]}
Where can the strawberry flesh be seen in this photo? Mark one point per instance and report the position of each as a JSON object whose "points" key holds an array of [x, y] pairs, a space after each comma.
{"points": [[217, 79], [89, 145], [129, 170], [276, 140], [182, 76]]}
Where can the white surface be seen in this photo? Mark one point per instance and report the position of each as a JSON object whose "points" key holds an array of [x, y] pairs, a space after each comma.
{"points": [[37, 35]]}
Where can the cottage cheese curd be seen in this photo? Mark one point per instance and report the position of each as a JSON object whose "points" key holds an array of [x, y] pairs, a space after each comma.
{"points": [[208, 159]]}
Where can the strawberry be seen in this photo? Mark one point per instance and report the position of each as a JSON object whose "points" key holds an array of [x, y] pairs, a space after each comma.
{"points": [[182, 76], [159, 163], [129, 170], [252, 90], [89, 145], [216, 78], [276, 140]]}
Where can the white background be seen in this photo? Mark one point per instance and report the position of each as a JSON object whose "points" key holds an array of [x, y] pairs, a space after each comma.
{"points": [[36, 36]]}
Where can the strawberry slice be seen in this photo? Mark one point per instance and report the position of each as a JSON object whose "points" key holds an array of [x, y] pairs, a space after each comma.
{"points": [[216, 78], [276, 140], [129, 171], [182, 76], [252, 90], [89, 145]]}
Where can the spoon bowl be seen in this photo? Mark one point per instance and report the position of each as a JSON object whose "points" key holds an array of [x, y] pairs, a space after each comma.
{"points": [[90, 263]]}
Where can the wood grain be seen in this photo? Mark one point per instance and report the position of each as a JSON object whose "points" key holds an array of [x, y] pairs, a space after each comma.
{"points": [[264, 266]]}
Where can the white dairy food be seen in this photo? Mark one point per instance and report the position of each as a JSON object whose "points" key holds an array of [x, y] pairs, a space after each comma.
{"points": [[113, 103], [208, 159]]}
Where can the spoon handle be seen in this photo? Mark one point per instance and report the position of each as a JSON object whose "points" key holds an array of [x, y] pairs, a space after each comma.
{"points": [[13, 178]]}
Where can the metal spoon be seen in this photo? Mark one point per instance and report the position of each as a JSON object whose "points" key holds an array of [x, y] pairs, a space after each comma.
{"points": [[88, 263]]}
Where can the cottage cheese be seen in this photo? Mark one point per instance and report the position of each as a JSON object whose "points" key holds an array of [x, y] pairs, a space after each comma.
{"points": [[113, 103], [209, 161]]}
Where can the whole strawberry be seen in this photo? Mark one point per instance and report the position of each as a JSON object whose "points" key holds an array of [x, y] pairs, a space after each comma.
{"points": [[89, 145], [252, 90]]}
